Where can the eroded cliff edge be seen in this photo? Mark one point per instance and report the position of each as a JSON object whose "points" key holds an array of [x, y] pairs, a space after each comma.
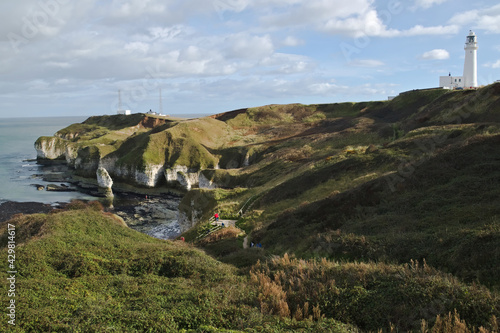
{"points": [[146, 152], [139, 150], [278, 156]]}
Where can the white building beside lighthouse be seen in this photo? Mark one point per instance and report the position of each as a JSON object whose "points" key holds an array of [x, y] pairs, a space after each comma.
{"points": [[469, 78]]}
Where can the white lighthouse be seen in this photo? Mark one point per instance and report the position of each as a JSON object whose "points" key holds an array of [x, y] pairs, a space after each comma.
{"points": [[470, 65], [469, 79]]}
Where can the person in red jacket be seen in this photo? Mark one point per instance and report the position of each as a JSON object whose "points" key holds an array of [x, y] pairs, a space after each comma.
{"points": [[216, 215]]}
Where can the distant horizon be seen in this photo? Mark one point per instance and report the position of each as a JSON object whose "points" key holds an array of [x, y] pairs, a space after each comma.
{"points": [[88, 116], [180, 115], [61, 57]]}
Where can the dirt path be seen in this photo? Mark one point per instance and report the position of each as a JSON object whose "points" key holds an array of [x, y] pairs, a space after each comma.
{"points": [[227, 223]]}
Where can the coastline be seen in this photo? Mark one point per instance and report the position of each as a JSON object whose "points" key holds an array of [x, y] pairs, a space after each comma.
{"points": [[10, 208], [156, 216], [36, 186]]}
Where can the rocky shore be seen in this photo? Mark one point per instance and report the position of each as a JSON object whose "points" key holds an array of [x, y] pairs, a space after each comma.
{"points": [[155, 216], [10, 208], [151, 212]]}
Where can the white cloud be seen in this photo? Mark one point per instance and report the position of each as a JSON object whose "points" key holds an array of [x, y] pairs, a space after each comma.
{"points": [[96, 47], [136, 8], [245, 46], [166, 33], [38, 85], [353, 18], [485, 19], [364, 24], [370, 63], [59, 64], [62, 82], [428, 3], [137, 46], [282, 63], [292, 41], [315, 12], [493, 65], [419, 30], [33, 20], [436, 54]]}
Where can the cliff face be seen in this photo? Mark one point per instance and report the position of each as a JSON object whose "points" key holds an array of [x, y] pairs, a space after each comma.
{"points": [[50, 148], [146, 152]]}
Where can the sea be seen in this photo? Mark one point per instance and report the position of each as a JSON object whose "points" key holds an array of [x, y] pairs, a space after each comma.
{"points": [[19, 172]]}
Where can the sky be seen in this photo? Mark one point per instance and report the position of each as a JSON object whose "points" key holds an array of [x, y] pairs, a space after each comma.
{"points": [[70, 58]]}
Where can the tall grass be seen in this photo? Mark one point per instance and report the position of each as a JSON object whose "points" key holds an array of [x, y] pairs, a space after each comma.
{"points": [[371, 295]]}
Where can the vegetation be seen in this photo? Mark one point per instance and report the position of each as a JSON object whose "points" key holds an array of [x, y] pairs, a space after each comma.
{"points": [[379, 184], [368, 294], [371, 216], [83, 270]]}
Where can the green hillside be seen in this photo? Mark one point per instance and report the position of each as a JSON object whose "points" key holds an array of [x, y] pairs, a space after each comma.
{"points": [[375, 215], [83, 270], [413, 178]]}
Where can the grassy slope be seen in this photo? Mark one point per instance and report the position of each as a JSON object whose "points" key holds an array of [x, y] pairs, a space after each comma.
{"points": [[411, 178], [139, 140], [444, 207], [82, 270], [428, 194]]}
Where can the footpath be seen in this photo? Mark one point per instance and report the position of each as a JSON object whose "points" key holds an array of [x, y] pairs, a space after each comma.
{"points": [[217, 225], [225, 223]]}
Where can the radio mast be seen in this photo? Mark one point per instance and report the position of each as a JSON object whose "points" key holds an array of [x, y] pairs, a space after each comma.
{"points": [[160, 108]]}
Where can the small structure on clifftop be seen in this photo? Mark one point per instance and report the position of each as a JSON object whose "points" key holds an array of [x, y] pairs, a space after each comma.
{"points": [[469, 78], [120, 109]]}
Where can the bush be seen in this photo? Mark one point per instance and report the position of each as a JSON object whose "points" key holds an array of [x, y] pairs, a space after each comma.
{"points": [[368, 295]]}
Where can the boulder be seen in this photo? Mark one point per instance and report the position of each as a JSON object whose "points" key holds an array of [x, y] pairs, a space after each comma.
{"points": [[103, 178], [59, 188], [38, 187]]}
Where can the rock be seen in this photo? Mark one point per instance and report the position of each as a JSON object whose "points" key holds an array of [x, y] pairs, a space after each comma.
{"points": [[149, 177], [204, 182], [182, 176], [9, 209], [39, 187], [103, 178], [371, 149], [155, 217], [56, 177], [50, 148], [58, 188], [165, 231]]}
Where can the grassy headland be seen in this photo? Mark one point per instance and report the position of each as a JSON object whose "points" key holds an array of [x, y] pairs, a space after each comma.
{"points": [[369, 214]]}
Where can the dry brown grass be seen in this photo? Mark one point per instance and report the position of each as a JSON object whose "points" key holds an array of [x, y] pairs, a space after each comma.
{"points": [[272, 297], [452, 323], [296, 288], [224, 233]]}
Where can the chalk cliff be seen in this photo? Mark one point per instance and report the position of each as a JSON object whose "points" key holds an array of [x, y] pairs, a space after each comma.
{"points": [[141, 150]]}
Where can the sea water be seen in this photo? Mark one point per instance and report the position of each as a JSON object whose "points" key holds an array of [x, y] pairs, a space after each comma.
{"points": [[18, 169]]}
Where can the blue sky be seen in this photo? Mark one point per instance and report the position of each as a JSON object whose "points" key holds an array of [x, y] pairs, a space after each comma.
{"points": [[65, 58]]}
